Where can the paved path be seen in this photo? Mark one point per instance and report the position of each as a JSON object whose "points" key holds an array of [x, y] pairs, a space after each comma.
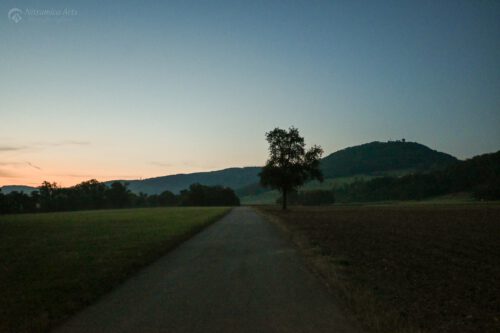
{"points": [[238, 275]]}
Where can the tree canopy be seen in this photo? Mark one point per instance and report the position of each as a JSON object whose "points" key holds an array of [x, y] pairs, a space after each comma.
{"points": [[49, 197], [289, 165]]}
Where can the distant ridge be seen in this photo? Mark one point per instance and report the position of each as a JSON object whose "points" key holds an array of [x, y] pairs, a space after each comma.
{"points": [[17, 188], [370, 158], [231, 177]]}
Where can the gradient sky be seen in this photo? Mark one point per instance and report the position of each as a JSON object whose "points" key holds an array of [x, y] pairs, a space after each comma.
{"points": [[129, 89]]}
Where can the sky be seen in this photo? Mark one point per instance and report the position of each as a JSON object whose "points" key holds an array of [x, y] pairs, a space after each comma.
{"points": [[136, 89]]}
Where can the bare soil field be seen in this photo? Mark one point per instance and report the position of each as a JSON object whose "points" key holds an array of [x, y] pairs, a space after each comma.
{"points": [[428, 268]]}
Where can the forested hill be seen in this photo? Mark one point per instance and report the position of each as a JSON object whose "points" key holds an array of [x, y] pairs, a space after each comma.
{"points": [[479, 176], [383, 156], [17, 188], [232, 177]]}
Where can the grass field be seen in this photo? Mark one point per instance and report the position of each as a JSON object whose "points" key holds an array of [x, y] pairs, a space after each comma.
{"points": [[53, 264], [270, 197], [415, 268]]}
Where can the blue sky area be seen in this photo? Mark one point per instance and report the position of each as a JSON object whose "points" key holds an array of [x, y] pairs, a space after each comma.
{"points": [[131, 89]]}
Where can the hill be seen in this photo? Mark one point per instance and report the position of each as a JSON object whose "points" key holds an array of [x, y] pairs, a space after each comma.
{"points": [[380, 158], [19, 188], [232, 177], [377, 156], [393, 158]]}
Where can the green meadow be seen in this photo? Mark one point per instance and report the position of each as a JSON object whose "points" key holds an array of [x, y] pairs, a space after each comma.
{"points": [[53, 264], [270, 197]]}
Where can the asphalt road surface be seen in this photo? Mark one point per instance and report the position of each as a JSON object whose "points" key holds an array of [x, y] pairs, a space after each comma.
{"points": [[238, 275]]}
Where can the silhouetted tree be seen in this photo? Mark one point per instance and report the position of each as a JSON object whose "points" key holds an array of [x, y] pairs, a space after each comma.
{"points": [[289, 164], [118, 195], [88, 195], [201, 195], [167, 198], [48, 192], [16, 202]]}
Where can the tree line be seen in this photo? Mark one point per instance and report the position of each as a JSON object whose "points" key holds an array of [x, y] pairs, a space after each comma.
{"points": [[92, 194]]}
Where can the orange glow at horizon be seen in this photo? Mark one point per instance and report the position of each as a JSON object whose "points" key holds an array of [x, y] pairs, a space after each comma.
{"points": [[71, 176], [105, 157]]}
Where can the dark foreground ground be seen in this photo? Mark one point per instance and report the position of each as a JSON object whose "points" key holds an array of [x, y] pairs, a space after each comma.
{"points": [[416, 268], [238, 275], [54, 264]]}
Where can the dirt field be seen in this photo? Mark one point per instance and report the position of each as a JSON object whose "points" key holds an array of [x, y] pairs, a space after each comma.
{"points": [[428, 268]]}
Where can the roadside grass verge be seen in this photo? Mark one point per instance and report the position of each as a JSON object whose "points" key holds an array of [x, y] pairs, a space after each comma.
{"points": [[53, 264], [415, 268]]}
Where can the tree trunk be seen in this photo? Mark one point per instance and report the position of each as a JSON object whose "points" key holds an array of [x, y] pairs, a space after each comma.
{"points": [[283, 201]]}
